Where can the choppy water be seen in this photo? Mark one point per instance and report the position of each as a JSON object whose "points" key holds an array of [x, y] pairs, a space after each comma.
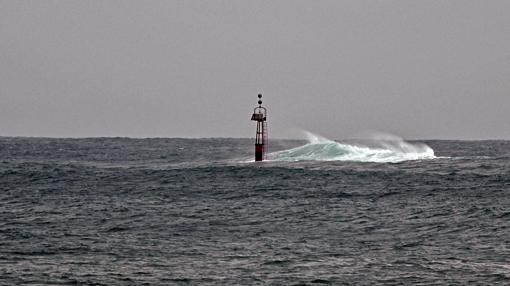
{"points": [[117, 211]]}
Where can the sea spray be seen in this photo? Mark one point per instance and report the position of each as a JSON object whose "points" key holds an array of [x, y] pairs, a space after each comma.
{"points": [[379, 148]]}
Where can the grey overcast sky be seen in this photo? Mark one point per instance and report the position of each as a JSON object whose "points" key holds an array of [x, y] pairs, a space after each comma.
{"points": [[417, 69]]}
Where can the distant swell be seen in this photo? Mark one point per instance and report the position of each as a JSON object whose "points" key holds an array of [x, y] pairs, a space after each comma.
{"points": [[385, 148]]}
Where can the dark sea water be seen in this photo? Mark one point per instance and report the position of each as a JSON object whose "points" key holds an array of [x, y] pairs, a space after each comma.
{"points": [[118, 211]]}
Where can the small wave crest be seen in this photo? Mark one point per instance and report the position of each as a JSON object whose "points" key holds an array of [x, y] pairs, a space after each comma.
{"points": [[380, 148]]}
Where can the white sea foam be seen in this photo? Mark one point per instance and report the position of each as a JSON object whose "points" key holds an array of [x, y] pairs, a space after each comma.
{"points": [[378, 148]]}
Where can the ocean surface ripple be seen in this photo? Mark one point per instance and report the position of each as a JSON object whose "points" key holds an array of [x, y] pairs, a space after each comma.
{"points": [[119, 211]]}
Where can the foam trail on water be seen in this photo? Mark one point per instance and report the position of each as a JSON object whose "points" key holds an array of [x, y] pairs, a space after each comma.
{"points": [[380, 148]]}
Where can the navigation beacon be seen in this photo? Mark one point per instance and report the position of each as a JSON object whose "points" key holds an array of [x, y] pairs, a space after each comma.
{"points": [[259, 115]]}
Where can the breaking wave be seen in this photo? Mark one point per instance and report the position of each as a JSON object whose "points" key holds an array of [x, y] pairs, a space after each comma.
{"points": [[380, 148]]}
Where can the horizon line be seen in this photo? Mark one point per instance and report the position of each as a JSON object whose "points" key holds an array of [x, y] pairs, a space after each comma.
{"points": [[221, 137]]}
